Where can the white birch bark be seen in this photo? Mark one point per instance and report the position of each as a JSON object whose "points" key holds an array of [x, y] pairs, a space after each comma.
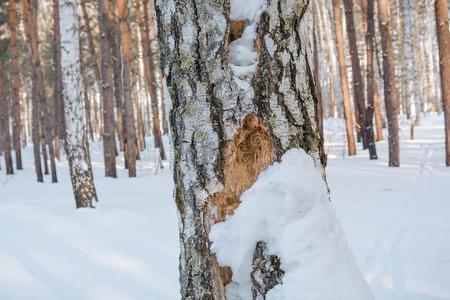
{"points": [[76, 140]]}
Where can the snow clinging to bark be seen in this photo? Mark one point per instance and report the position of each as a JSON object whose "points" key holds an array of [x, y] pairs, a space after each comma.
{"points": [[288, 208], [245, 10]]}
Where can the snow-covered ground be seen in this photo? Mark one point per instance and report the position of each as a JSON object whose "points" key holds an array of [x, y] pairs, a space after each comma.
{"points": [[397, 222]]}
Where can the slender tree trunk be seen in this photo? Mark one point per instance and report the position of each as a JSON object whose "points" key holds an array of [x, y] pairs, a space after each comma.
{"points": [[337, 15], [358, 84], [443, 34], [319, 112], [390, 86], [16, 85], [125, 33], [225, 135], [87, 104], [57, 94], [29, 24], [367, 7], [109, 143], [5, 135], [115, 40], [378, 116], [76, 144], [151, 76], [91, 45]]}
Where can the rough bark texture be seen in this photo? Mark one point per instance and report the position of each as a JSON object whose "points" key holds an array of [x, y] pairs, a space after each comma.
{"points": [[109, 142], [228, 128], [130, 132], [266, 272], [337, 15], [443, 34], [5, 135], [76, 144], [16, 83], [390, 86], [358, 86], [367, 7]]}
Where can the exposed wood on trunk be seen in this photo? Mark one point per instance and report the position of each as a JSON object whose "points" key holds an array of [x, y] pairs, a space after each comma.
{"points": [[224, 135], [390, 85], [441, 8], [337, 15]]}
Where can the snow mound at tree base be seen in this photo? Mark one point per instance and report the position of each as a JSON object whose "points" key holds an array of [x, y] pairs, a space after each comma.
{"points": [[288, 208]]}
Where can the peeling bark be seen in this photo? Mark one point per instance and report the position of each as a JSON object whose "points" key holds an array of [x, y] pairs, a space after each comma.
{"points": [[228, 128]]}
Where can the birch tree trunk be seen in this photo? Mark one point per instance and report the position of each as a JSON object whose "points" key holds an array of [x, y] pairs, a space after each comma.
{"points": [[230, 124], [337, 15], [109, 141], [5, 135], [390, 87], [443, 34], [76, 144], [16, 85]]}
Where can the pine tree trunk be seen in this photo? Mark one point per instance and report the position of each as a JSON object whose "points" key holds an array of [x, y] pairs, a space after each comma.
{"points": [[109, 141], [409, 71], [91, 45], [358, 85], [16, 85], [367, 7], [76, 143], [57, 94], [151, 78], [130, 132], [5, 135], [225, 134], [390, 86], [337, 15], [28, 12], [443, 34], [87, 104], [115, 40]]}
